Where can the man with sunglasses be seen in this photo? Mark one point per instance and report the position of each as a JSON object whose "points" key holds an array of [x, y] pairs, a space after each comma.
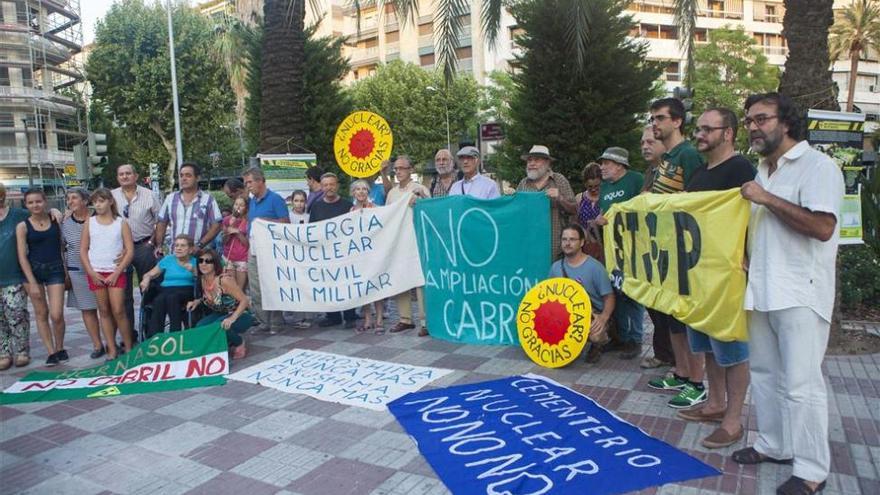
{"points": [[140, 207], [671, 176], [727, 363], [792, 248]]}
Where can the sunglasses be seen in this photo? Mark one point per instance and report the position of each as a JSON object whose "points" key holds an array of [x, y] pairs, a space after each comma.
{"points": [[125, 211], [206, 261]]}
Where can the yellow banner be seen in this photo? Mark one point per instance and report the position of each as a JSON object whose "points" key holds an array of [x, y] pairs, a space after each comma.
{"points": [[682, 254]]}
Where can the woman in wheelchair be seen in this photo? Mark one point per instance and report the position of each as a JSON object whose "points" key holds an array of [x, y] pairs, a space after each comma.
{"points": [[176, 289], [224, 301]]}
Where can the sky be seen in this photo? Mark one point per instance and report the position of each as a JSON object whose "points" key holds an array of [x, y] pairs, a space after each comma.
{"points": [[90, 12]]}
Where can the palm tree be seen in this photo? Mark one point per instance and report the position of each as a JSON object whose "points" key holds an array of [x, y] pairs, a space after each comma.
{"points": [[806, 77], [856, 29], [685, 18]]}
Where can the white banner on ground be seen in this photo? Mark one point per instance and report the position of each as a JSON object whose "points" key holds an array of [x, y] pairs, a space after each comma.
{"points": [[341, 379], [338, 264]]}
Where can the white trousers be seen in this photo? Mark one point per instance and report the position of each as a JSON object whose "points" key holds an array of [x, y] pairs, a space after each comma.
{"points": [[786, 349]]}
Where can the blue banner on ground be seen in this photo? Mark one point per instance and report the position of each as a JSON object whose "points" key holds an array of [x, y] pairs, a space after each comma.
{"points": [[479, 258], [528, 435]]}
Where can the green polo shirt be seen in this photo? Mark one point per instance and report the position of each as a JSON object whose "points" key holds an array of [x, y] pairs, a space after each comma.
{"points": [[626, 188], [676, 169]]}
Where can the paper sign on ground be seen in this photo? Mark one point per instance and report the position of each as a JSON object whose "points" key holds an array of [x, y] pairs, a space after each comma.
{"points": [[168, 361], [340, 263], [341, 379], [531, 435]]}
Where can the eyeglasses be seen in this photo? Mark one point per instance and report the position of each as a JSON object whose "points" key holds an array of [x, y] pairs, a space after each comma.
{"points": [[760, 119], [206, 261], [706, 129], [658, 118]]}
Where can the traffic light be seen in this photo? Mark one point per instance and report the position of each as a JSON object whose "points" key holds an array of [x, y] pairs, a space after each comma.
{"points": [[81, 158], [154, 171], [97, 148], [686, 96]]}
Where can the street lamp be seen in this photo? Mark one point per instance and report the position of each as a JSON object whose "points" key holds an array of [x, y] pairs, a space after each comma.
{"points": [[446, 106]]}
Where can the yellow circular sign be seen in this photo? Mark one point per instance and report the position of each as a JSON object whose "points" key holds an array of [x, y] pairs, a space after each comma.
{"points": [[363, 141], [553, 322]]}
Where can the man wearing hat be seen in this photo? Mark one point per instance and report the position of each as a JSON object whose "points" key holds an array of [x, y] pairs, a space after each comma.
{"points": [[473, 183], [539, 177], [620, 184]]}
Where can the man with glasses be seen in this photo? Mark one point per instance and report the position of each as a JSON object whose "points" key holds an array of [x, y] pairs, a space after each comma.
{"points": [[403, 169], [671, 176], [140, 207], [189, 211], [473, 183], [727, 366], [792, 248]]}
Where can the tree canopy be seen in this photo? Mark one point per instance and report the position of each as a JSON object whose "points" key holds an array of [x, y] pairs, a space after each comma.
{"points": [[400, 92], [576, 114], [129, 70]]}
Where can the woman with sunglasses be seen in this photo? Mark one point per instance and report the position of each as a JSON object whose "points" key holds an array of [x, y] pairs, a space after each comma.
{"points": [[224, 300], [176, 289], [588, 209]]}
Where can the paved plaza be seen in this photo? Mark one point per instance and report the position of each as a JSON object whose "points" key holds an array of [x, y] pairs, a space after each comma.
{"points": [[246, 439]]}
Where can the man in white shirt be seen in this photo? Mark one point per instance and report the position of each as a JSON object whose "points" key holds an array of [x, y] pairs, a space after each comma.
{"points": [[473, 183], [792, 249]]}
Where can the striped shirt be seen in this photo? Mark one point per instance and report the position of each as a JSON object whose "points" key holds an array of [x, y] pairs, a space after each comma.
{"points": [[676, 169], [141, 212], [193, 219], [71, 232]]}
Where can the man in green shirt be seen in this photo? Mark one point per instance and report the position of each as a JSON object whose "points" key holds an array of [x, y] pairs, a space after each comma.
{"points": [[620, 184], [671, 176]]}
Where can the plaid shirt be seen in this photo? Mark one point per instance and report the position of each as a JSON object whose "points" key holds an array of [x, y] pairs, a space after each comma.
{"points": [[193, 219], [558, 218]]}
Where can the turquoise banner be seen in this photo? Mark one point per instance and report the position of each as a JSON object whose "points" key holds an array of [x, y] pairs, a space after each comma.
{"points": [[479, 258]]}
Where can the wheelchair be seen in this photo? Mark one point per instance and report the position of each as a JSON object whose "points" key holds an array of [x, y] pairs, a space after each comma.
{"points": [[145, 313]]}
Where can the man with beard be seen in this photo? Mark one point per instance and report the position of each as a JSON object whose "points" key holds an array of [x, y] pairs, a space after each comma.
{"points": [[792, 248], [539, 177], [672, 174], [727, 366], [445, 166]]}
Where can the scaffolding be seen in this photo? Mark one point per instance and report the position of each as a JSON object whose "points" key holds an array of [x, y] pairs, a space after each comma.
{"points": [[42, 115]]}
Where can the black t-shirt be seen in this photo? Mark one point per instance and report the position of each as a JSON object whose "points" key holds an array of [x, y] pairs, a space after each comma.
{"points": [[733, 172], [322, 210]]}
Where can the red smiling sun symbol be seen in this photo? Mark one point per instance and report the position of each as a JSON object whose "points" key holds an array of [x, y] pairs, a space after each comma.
{"points": [[552, 320], [362, 144]]}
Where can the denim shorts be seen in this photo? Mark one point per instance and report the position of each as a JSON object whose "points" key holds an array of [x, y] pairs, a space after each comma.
{"points": [[726, 353], [51, 273]]}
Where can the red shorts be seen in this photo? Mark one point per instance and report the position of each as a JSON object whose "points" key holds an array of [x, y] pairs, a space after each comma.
{"points": [[120, 282]]}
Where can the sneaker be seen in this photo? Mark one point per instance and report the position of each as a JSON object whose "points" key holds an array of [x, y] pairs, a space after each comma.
{"points": [[630, 350], [52, 360], [670, 382], [62, 355], [688, 397], [650, 362], [594, 354]]}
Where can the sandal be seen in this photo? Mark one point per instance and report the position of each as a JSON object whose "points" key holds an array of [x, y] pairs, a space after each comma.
{"points": [[751, 456], [380, 330], [362, 329], [401, 327], [798, 486]]}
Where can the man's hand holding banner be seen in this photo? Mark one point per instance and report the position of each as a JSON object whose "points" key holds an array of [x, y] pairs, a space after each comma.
{"points": [[682, 254]]}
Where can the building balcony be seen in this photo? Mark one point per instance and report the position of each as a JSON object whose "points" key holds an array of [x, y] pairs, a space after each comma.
{"points": [[426, 40], [775, 50], [393, 47], [364, 56], [18, 156]]}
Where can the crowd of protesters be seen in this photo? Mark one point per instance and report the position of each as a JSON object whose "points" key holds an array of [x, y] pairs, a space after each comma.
{"points": [[188, 255]]}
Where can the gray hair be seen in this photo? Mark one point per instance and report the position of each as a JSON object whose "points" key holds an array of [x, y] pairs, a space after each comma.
{"points": [[354, 185], [82, 193], [256, 173], [406, 158], [133, 169], [328, 175]]}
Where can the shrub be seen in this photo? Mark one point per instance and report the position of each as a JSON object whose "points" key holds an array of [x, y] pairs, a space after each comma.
{"points": [[859, 276]]}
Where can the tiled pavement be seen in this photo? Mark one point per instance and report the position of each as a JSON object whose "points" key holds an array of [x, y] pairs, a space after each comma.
{"points": [[246, 439]]}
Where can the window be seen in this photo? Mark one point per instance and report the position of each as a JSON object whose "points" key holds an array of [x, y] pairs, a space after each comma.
{"points": [[672, 72], [463, 52], [427, 59], [392, 36], [660, 32], [426, 29]]}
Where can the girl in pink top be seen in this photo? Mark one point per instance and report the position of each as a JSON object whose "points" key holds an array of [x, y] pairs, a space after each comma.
{"points": [[235, 242]]}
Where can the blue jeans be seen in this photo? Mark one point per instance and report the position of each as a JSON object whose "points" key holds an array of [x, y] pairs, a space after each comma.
{"points": [[51, 273], [233, 335], [629, 316]]}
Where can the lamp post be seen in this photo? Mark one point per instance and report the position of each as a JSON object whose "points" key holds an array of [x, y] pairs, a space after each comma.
{"points": [[446, 107], [177, 139]]}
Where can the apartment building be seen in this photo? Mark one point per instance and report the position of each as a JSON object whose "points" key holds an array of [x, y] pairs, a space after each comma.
{"points": [[40, 120]]}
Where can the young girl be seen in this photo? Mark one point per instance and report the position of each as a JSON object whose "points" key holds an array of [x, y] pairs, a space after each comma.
{"points": [[105, 236], [39, 254], [225, 302], [235, 242], [298, 213], [360, 192], [176, 288]]}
